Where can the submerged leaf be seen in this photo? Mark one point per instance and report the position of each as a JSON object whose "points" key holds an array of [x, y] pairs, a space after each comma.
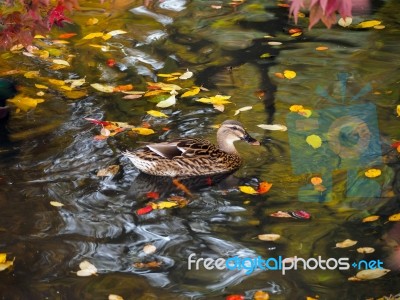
{"points": [[370, 219], [25, 103], [109, 171], [93, 35]]}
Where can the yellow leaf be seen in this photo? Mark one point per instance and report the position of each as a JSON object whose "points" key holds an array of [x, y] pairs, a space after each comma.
{"points": [[370, 219], [114, 297], [103, 88], [56, 203], [248, 190], [61, 62], [3, 257], [38, 36], [368, 24], [92, 21], [398, 110], [394, 218], [165, 75], [296, 108], [194, 91], [261, 295], [163, 205], [32, 74], [296, 34], [314, 141], [365, 250], [40, 86], [92, 35], [316, 180], [215, 100], [156, 113], [372, 173], [143, 131], [75, 94], [56, 81], [25, 103], [289, 74], [5, 264], [346, 243]]}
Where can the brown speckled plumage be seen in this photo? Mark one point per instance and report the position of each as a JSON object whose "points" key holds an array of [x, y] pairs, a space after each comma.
{"points": [[188, 157]]}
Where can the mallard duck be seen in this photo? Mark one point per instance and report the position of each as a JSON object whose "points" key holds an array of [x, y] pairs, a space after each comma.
{"points": [[187, 157]]}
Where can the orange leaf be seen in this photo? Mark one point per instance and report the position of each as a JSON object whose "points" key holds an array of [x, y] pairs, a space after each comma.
{"points": [[153, 195], [316, 180], [181, 186], [66, 35], [321, 48], [279, 75], [144, 210], [264, 187], [123, 88]]}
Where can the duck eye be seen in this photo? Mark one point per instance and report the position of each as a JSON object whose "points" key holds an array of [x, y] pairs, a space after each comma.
{"points": [[235, 128]]}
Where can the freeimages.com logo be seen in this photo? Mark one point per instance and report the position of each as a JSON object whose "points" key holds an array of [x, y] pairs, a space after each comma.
{"points": [[349, 135], [251, 264]]}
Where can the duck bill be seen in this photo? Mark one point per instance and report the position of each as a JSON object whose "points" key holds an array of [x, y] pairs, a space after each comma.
{"points": [[249, 139]]}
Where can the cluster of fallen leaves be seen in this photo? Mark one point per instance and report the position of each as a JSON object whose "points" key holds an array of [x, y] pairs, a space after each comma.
{"points": [[258, 295], [263, 188]]}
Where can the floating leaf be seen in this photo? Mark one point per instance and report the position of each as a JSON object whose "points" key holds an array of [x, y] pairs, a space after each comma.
{"points": [[163, 205], [321, 48], [4, 263], [151, 265], [102, 87], [123, 88], [163, 86], [370, 219], [372, 173], [248, 190], [171, 100], [264, 187], [368, 24], [394, 218], [156, 113], [296, 108], [289, 74], [56, 203], [261, 295], [265, 55], [215, 100], [75, 94], [56, 81], [314, 141], [109, 171], [93, 35], [305, 112], [66, 35], [279, 75], [186, 75], [235, 297], [132, 97], [366, 250], [273, 127], [25, 103], [398, 110], [114, 297], [32, 74], [269, 237], [346, 22], [194, 91], [41, 86], [76, 82], [149, 249], [372, 273], [144, 210], [86, 269], [316, 180], [143, 131], [153, 195], [245, 108], [272, 43], [346, 243], [116, 32], [61, 62], [92, 21], [281, 214], [219, 107]]}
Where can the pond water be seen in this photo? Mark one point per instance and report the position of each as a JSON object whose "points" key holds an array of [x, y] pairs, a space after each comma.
{"points": [[54, 155]]}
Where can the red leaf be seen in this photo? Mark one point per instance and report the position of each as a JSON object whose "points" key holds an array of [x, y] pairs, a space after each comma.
{"points": [[395, 144], [300, 214], [56, 16], [234, 297], [153, 195], [209, 181], [111, 62], [144, 210], [98, 122]]}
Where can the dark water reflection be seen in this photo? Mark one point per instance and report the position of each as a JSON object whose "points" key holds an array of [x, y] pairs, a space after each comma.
{"points": [[54, 157]]}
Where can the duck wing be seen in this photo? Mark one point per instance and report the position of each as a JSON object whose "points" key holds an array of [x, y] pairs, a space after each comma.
{"points": [[182, 148]]}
